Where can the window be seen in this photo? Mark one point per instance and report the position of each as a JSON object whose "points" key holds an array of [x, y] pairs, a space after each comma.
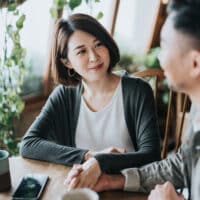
{"points": [[34, 37], [134, 24]]}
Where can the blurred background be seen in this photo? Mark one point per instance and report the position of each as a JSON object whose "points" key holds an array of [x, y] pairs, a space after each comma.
{"points": [[25, 31]]}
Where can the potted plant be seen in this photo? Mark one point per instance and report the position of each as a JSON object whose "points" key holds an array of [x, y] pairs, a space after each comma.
{"points": [[11, 73]]}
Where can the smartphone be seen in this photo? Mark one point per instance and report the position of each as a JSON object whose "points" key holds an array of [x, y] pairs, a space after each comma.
{"points": [[30, 187]]}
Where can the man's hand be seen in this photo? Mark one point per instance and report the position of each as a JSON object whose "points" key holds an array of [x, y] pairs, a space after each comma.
{"points": [[85, 175], [109, 182], [112, 150], [103, 183], [165, 192]]}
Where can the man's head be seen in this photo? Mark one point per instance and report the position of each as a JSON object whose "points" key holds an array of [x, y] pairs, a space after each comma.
{"points": [[180, 46]]}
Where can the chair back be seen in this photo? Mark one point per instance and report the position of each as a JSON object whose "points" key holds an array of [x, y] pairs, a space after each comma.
{"points": [[158, 76]]}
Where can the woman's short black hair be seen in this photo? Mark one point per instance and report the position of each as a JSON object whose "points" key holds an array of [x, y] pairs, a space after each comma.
{"points": [[186, 17], [59, 49]]}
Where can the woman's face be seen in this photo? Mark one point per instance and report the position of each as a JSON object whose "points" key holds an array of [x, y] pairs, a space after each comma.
{"points": [[87, 56]]}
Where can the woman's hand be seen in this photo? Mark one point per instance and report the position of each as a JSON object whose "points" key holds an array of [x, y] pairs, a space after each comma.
{"points": [[165, 192], [90, 154], [85, 175], [74, 172]]}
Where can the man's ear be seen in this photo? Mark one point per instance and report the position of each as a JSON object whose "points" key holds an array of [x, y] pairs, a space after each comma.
{"points": [[196, 64], [66, 63]]}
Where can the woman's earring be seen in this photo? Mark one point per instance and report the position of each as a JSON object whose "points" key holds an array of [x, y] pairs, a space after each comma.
{"points": [[71, 72]]}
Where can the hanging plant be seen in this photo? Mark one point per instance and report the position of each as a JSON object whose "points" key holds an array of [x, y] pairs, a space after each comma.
{"points": [[11, 73]]}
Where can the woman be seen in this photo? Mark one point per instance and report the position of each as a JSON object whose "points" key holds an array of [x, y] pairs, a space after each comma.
{"points": [[98, 118]]}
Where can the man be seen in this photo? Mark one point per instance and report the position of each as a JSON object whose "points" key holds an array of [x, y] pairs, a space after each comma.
{"points": [[180, 60]]}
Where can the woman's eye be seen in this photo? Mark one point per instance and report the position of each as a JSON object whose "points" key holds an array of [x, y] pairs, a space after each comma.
{"points": [[98, 44], [81, 52]]}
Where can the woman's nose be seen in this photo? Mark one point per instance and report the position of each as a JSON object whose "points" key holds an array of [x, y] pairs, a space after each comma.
{"points": [[93, 56]]}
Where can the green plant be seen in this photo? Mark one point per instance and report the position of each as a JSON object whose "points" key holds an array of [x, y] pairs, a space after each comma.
{"points": [[136, 62], [126, 63], [11, 73], [71, 4], [149, 60]]}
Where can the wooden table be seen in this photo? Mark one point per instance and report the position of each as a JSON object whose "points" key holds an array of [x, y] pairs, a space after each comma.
{"points": [[57, 173]]}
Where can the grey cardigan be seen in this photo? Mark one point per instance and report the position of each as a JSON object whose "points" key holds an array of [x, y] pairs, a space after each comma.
{"points": [[51, 137]]}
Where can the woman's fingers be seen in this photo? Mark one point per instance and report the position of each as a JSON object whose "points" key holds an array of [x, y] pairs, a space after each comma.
{"points": [[74, 183], [74, 172], [85, 175], [84, 181]]}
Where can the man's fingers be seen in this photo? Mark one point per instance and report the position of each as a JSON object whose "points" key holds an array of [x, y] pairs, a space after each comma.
{"points": [[117, 150], [120, 150]]}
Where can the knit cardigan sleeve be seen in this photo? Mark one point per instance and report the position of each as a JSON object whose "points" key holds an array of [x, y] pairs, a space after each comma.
{"points": [[51, 136]]}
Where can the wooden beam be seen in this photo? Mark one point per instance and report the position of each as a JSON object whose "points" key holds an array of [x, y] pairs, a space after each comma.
{"points": [[114, 16], [160, 16]]}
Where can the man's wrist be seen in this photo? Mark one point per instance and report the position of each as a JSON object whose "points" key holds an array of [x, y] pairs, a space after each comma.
{"points": [[114, 182]]}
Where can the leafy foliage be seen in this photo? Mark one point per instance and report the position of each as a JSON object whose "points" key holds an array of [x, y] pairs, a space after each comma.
{"points": [[149, 60], [136, 62], [71, 4], [11, 76], [75, 3]]}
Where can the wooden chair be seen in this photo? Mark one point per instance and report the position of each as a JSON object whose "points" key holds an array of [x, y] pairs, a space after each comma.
{"points": [[158, 76], [155, 73]]}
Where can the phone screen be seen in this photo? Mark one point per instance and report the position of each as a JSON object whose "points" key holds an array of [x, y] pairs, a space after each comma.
{"points": [[30, 186]]}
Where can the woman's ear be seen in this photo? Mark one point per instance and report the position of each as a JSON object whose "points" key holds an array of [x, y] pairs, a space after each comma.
{"points": [[66, 63], [195, 68]]}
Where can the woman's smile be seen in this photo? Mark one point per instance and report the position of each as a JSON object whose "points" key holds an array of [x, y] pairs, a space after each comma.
{"points": [[96, 67]]}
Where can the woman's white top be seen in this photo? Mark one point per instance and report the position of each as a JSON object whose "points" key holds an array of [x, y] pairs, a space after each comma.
{"points": [[106, 128]]}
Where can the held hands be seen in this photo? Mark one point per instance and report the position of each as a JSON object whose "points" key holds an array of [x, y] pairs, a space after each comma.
{"points": [[85, 175], [165, 192]]}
